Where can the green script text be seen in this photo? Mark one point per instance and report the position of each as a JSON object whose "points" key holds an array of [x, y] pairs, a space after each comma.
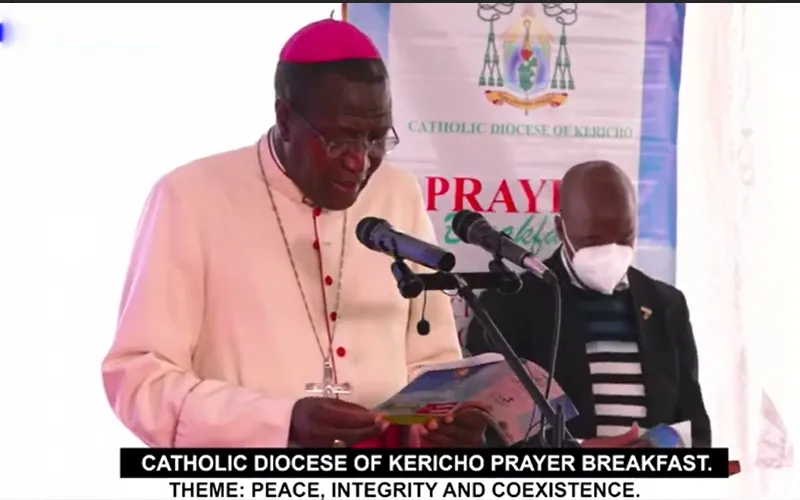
{"points": [[535, 233]]}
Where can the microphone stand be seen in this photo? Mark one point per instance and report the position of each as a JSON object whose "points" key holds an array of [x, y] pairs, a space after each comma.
{"points": [[411, 285], [511, 284], [408, 284], [554, 417]]}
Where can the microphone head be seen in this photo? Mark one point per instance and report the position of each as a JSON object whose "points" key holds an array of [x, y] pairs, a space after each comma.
{"points": [[365, 228], [463, 222]]}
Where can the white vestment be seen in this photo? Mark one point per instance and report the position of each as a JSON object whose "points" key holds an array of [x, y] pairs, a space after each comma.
{"points": [[214, 345]]}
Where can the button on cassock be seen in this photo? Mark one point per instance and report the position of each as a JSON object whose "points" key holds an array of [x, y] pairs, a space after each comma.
{"points": [[328, 280], [333, 316], [341, 352]]}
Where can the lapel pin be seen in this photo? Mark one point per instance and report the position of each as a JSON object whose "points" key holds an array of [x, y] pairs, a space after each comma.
{"points": [[646, 312]]}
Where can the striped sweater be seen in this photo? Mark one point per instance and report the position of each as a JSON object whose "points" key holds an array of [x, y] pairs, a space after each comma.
{"points": [[609, 325]]}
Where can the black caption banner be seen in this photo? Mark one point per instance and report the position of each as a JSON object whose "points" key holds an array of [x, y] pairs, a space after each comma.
{"points": [[412, 464]]}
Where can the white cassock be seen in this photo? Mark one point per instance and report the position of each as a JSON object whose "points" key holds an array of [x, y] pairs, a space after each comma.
{"points": [[214, 345]]}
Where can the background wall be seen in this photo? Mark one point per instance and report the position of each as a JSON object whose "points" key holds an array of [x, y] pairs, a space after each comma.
{"points": [[98, 101], [736, 234]]}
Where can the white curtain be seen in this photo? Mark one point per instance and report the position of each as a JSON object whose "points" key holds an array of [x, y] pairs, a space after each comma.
{"points": [[737, 207], [96, 102]]}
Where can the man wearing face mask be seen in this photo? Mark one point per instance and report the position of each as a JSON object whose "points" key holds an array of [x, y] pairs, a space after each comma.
{"points": [[627, 354]]}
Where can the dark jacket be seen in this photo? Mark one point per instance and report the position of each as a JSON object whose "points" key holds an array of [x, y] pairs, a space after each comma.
{"points": [[666, 343]]}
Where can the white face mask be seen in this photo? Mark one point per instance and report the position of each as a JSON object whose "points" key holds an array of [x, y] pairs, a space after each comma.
{"points": [[600, 267]]}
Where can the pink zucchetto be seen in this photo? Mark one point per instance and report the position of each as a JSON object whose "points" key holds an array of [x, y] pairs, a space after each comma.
{"points": [[328, 41]]}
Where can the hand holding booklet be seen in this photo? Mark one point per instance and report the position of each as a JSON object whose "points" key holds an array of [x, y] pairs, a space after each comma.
{"points": [[661, 436], [668, 436], [672, 436], [486, 382]]}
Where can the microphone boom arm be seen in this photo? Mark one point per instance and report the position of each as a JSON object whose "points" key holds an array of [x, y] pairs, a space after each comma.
{"points": [[495, 337], [409, 284], [511, 282]]}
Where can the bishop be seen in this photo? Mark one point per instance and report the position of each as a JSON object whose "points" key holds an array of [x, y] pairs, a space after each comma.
{"points": [[247, 283]]}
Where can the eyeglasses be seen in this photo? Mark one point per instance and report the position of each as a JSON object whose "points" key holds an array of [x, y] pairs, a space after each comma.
{"points": [[338, 146]]}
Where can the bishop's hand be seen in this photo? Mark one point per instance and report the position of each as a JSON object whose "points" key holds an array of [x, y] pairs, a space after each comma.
{"points": [[328, 422], [464, 429]]}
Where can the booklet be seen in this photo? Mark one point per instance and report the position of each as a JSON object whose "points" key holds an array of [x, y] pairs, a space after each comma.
{"points": [[485, 381], [663, 436], [668, 436]]}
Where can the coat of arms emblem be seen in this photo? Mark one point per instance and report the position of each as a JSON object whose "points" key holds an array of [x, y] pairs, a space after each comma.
{"points": [[527, 66]]}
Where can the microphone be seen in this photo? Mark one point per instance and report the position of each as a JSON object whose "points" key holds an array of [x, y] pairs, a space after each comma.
{"points": [[473, 228], [378, 235]]}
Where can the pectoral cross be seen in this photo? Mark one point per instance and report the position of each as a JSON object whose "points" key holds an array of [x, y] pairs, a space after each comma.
{"points": [[328, 388]]}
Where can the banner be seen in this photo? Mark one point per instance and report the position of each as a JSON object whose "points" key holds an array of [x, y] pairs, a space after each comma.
{"points": [[493, 102]]}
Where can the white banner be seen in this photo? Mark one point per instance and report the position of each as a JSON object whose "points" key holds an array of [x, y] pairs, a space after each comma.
{"points": [[494, 102]]}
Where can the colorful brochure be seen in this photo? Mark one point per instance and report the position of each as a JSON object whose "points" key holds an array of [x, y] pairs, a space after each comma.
{"points": [[485, 381]]}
